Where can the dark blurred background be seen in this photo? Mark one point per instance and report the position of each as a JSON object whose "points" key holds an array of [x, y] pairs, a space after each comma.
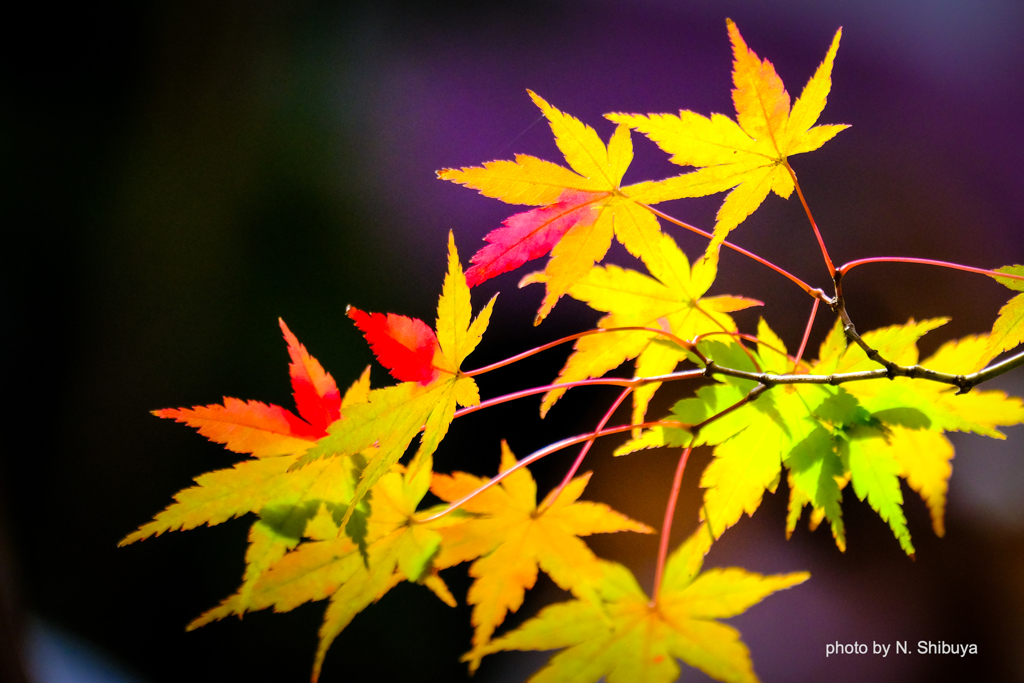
{"points": [[176, 176]]}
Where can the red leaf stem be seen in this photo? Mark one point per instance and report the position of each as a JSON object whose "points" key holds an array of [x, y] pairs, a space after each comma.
{"points": [[537, 455], [666, 526], [586, 446]]}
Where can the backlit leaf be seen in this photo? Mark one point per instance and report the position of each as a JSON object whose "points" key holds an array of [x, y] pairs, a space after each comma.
{"points": [[581, 210], [1008, 330], [672, 300], [626, 637], [513, 537], [392, 416], [749, 154]]}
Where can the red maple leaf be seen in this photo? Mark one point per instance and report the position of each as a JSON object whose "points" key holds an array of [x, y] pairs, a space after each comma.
{"points": [[405, 346]]}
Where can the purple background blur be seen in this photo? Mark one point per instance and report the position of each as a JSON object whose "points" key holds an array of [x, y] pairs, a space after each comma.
{"points": [[177, 177]]}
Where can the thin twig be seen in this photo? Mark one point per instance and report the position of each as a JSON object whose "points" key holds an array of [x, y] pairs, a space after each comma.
{"points": [[537, 455], [964, 383], [807, 334], [847, 267], [603, 381], [599, 330]]}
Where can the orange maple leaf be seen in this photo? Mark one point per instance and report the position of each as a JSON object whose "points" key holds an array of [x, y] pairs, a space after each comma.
{"points": [[515, 536], [269, 433], [269, 430]]}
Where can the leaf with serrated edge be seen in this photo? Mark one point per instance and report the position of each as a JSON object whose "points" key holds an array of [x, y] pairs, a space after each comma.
{"points": [[334, 568], [626, 637], [251, 485], [815, 471], [872, 432], [515, 537], [316, 395], [632, 299], [1008, 330], [874, 472], [580, 209], [751, 155], [394, 415]]}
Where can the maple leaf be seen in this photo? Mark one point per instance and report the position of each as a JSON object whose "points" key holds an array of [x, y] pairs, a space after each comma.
{"points": [[867, 433], [513, 537], [626, 637], [749, 154], [332, 566], [673, 299], [405, 346], [899, 431], [392, 416], [284, 501], [920, 404], [580, 209], [1008, 330], [918, 412], [267, 432]]}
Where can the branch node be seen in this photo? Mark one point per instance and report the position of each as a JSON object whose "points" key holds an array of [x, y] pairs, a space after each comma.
{"points": [[963, 384]]}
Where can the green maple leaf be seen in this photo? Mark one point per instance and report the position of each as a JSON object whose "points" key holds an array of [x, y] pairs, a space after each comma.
{"points": [[868, 433]]}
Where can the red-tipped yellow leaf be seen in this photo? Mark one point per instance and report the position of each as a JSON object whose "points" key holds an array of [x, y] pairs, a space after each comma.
{"points": [[531, 234], [583, 208], [248, 427]]}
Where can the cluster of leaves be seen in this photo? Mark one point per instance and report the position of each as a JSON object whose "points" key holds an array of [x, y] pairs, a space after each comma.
{"points": [[337, 513]]}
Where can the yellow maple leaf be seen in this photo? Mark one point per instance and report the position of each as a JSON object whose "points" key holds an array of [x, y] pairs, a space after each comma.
{"points": [[1008, 330], [515, 537], [749, 154], [625, 637], [332, 566], [392, 416], [582, 209], [672, 299]]}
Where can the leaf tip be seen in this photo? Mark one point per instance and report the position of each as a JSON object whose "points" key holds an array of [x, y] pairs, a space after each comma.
{"points": [[734, 34], [541, 103], [453, 253]]}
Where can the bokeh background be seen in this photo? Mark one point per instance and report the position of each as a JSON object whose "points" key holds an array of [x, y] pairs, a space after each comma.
{"points": [[179, 175]]}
